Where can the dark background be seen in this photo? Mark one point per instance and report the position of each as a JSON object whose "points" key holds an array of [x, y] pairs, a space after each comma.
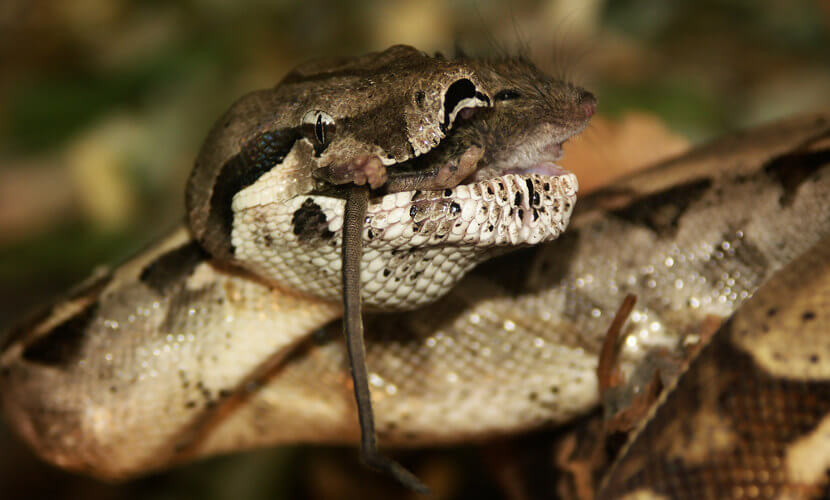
{"points": [[104, 103]]}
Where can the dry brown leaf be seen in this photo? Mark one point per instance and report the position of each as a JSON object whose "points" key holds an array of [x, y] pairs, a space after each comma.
{"points": [[609, 149]]}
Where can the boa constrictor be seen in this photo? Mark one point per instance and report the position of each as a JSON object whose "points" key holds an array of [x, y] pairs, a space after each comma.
{"points": [[164, 359]]}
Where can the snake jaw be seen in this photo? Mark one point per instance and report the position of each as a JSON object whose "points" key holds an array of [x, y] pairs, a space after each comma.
{"points": [[519, 197], [509, 210], [417, 242]]}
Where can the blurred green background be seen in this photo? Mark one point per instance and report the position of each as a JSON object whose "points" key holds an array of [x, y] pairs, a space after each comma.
{"points": [[104, 103]]}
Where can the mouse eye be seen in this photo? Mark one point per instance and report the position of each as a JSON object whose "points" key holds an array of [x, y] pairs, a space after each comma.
{"points": [[506, 95], [318, 127]]}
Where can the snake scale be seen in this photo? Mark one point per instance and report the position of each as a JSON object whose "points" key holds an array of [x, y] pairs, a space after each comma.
{"points": [[175, 355]]}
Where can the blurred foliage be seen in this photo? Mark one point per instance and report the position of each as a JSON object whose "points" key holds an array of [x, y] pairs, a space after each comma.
{"points": [[111, 98]]}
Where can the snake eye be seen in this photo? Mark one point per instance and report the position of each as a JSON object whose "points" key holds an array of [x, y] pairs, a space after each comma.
{"points": [[506, 95], [318, 127]]}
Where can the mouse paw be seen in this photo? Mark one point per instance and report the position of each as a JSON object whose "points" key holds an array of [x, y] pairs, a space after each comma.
{"points": [[367, 169]]}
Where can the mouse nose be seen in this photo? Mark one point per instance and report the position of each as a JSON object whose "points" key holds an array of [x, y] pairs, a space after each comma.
{"points": [[588, 103]]}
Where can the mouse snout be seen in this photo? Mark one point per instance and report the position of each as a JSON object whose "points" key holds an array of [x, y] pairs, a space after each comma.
{"points": [[587, 103]]}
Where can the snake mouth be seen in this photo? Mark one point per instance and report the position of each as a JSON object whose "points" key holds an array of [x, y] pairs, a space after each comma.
{"points": [[537, 155], [522, 199], [418, 241]]}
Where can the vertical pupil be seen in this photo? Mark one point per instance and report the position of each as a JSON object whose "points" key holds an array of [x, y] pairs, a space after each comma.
{"points": [[318, 129]]}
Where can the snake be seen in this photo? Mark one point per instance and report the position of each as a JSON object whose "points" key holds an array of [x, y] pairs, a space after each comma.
{"points": [[512, 347]]}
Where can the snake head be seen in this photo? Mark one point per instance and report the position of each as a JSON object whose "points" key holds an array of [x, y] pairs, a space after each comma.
{"points": [[460, 153], [328, 114]]}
